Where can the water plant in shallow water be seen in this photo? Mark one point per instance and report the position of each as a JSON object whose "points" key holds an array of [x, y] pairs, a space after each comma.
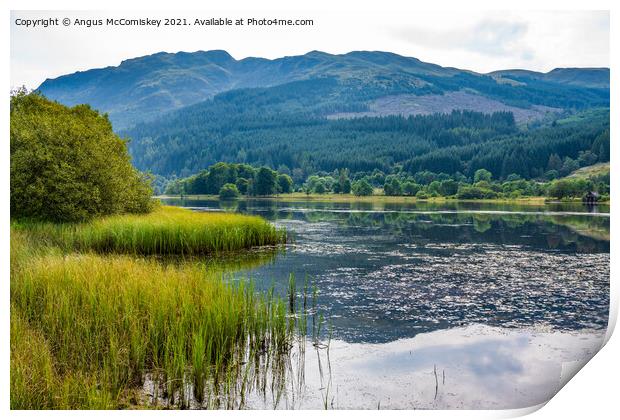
{"points": [[99, 324]]}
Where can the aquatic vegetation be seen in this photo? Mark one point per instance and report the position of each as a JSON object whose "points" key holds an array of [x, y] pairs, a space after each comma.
{"points": [[165, 231], [87, 329]]}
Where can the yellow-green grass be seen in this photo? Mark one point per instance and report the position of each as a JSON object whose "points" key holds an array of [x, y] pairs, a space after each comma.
{"points": [[166, 231], [35, 382], [591, 171], [87, 328]]}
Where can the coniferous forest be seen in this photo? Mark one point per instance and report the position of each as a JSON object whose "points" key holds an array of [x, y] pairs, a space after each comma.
{"points": [[284, 129]]}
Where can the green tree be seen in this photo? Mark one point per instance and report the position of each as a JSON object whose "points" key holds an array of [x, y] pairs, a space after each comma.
{"points": [[319, 187], [392, 186], [285, 183], [421, 195], [243, 185], [68, 165], [219, 174], [433, 188], [265, 182], [448, 187], [344, 183], [587, 158], [362, 188], [482, 175], [569, 166], [469, 192], [229, 191], [564, 188], [411, 188], [554, 163]]}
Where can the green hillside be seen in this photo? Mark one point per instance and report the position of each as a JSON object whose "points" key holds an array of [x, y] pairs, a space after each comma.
{"points": [[288, 126], [143, 88]]}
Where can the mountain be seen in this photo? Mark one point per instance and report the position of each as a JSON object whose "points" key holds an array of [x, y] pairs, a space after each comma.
{"points": [[585, 77], [144, 88], [364, 111]]}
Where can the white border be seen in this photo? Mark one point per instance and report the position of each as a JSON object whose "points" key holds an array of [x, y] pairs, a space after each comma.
{"points": [[592, 392]]}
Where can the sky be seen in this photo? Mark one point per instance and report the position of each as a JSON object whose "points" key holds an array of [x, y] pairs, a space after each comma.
{"points": [[481, 41]]}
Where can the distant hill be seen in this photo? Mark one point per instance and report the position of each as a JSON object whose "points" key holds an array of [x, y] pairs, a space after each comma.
{"points": [[143, 88], [365, 111], [293, 127], [585, 77]]}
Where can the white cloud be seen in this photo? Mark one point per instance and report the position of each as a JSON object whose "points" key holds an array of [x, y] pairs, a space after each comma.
{"points": [[489, 37], [477, 40]]}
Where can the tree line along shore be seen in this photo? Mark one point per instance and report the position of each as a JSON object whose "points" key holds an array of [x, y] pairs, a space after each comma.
{"points": [[232, 180]]}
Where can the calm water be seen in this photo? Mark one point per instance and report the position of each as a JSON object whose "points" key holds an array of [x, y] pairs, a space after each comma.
{"points": [[485, 294]]}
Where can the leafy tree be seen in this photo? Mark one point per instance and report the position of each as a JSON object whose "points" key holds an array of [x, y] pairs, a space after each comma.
{"points": [[68, 165], [433, 188], [411, 188], [265, 182], [482, 175], [345, 187], [229, 191], [570, 165], [344, 183], [422, 195], [362, 188], [551, 175], [448, 187], [243, 185], [285, 183], [468, 192], [392, 186], [319, 187], [586, 158], [566, 187]]}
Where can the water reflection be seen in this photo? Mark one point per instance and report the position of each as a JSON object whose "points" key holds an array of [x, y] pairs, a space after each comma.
{"points": [[451, 305], [387, 271], [476, 367]]}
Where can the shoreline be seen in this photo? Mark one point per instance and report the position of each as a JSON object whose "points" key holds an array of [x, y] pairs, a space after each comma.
{"points": [[350, 198]]}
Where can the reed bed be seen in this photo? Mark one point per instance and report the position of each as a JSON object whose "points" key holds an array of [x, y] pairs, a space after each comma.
{"points": [[166, 231], [96, 325]]}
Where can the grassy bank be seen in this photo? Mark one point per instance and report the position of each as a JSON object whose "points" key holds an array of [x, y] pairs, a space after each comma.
{"points": [[165, 231], [350, 198], [88, 330]]}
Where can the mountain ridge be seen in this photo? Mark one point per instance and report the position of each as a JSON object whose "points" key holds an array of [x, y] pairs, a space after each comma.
{"points": [[143, 88]]}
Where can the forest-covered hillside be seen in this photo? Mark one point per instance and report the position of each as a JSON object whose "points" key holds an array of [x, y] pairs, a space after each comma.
{"points": [[143, 88], [286, 126], [361, 112]]}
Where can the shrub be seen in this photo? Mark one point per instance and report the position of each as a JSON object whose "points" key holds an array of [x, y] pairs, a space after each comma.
{"points": [[422, 195], [468, 192], [68, 165], [229, 192]]}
